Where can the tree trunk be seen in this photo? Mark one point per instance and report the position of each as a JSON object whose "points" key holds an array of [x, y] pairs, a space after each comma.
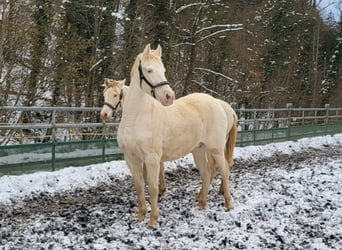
{"points": [[38, 48]]}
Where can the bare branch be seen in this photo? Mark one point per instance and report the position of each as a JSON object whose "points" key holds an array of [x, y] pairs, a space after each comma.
{"points": [[217, 32], [227, 26], [188, 6], [217, 73], [206, 88], [180, 44], [97, 63]]}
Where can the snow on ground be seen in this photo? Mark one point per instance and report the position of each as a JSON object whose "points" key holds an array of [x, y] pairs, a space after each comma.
{"points": [[12, 187], [286, 196]]}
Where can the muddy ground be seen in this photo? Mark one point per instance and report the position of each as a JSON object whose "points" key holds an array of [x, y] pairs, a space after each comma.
{"points": [[282, 202]]}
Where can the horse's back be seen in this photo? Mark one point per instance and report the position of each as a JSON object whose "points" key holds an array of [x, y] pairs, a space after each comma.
{"points": [[230, 113], [208, 105], [205, 109], [199, 101]]}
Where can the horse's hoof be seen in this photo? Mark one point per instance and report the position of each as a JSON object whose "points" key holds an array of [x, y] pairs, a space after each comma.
{"points": [[202, 204], [161, 192], [152, 223], [229, 207], [141, 217]]}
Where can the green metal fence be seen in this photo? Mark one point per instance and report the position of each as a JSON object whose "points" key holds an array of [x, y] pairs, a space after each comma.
{"points": [[76, 136], [15, 159], [262, 126]]}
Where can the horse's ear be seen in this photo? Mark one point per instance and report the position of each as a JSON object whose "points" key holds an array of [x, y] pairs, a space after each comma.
{"points": [[158, 51], [121, 83], [105, 82], [147, 49]]}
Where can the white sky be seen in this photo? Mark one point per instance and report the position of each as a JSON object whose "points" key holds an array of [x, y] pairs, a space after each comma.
{"points": [[333, 6]]}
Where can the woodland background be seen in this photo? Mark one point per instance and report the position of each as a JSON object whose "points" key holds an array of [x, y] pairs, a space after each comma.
{"points": [[256, 53]]}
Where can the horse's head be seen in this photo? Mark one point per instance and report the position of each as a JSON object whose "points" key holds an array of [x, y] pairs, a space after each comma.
{"points": [[151, 72], [113, 95]]}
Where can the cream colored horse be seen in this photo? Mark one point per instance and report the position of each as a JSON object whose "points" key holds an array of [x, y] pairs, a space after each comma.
{"points": [[114, 94], [152, 133]]}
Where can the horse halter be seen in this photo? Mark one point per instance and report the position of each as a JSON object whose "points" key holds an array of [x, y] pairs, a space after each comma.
{"points": [[117, 105], [153, 87]]}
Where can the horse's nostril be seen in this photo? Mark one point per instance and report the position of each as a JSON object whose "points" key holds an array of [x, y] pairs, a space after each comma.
{"points": [[104, 115]]}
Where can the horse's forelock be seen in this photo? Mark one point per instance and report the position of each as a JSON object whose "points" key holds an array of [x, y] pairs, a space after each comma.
{"points": [[113, 88], [143, 57], [107, 87], [110, 83], [152, 57]]}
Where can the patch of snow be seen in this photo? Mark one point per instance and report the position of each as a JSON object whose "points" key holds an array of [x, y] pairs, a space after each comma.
{"points": [[13, 187]]}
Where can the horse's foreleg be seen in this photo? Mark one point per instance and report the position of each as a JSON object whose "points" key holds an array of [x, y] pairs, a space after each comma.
{"points": [[138, 181], [162, 185], [205, 172], [152, 162], [225, 172]]}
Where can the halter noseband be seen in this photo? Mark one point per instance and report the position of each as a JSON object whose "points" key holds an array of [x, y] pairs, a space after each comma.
{"points": [[153, 87], [117, 105]]}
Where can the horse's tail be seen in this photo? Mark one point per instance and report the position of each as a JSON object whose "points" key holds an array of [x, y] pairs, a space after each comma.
{"points": [[230, 143]]}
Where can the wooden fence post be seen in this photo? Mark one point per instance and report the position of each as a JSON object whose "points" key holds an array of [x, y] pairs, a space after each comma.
{"points": [[255, 127], [104, 141], [326, 120], [53, 122], [289, 118]]}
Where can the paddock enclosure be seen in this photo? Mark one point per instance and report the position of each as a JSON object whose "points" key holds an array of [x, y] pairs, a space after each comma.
{"points": [[50, 138]]}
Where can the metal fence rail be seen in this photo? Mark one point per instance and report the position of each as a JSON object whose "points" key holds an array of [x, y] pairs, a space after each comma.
{"points": [[49, 138], [260, 126]]}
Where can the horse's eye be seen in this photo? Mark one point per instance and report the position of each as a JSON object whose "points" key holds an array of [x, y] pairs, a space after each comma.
{"points": [[115, 95], [149, 71]]}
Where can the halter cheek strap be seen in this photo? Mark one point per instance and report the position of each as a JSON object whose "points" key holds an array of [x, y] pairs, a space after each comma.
{"points": [[153, 87], [117, 105]]}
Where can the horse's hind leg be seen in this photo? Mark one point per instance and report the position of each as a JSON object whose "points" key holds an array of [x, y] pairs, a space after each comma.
{"points": [[162, 185], [205, 172], [212, 165], [138, 181], [224, 170], [213, 168]]}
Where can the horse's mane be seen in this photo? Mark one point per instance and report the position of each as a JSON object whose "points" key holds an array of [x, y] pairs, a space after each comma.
{"points": [[135, 65]]}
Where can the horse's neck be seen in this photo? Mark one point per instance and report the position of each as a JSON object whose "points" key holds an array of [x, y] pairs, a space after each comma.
{"points": [[136, 101], [125, 90]]}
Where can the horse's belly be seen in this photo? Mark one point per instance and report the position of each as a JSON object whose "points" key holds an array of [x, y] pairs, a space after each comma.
{"points": [[178, 149], [174, 156]]}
